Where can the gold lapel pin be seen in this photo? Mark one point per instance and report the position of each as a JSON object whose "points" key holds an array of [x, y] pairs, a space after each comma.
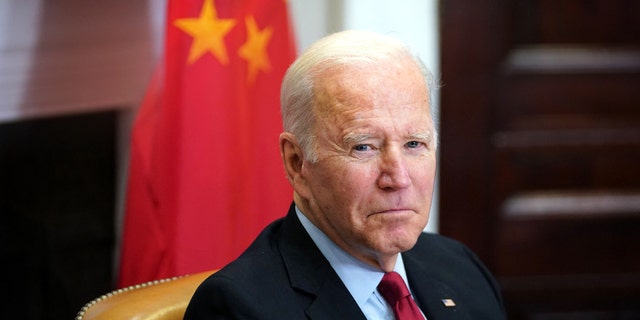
{"points": [[448, 303]]}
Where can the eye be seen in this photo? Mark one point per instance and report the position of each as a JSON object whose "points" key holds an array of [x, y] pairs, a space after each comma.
{"points": [[413, 144], [362, 147]]}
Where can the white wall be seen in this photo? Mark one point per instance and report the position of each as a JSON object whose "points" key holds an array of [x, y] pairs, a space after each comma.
{"points": [[412, 21]]}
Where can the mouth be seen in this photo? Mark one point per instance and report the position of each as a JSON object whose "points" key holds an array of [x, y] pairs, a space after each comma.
{"points": [[394, 212]]}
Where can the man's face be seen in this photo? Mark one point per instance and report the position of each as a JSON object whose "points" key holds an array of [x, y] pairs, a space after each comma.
{"points": [[370, 190]]}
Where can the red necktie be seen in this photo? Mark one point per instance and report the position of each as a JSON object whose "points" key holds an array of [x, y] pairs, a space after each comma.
{"points": [[394, 290]]}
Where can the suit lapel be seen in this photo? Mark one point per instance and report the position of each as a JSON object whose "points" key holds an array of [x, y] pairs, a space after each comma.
{"points": [[333, 301], [310, 272], [430, 293]]}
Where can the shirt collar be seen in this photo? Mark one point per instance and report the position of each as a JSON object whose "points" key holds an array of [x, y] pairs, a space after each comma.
{"points": [[360, 279]]}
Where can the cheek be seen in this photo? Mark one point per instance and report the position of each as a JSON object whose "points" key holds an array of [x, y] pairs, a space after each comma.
{"points": [[426, 181], [345, 179], [426, 173], [344, 192]]}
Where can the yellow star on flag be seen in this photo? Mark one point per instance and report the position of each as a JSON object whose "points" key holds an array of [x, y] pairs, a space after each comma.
{"points": [[254, 50], [208, 33]]}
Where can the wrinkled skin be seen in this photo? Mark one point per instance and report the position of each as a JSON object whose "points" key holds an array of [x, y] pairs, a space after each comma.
{"points": [[370, 190]]}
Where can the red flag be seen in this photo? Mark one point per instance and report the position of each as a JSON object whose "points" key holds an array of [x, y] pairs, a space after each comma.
{"points": [[205, 172]]}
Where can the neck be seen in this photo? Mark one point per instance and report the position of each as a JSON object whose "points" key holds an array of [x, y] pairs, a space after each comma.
{"points": [[387, 264], [384, 262]]}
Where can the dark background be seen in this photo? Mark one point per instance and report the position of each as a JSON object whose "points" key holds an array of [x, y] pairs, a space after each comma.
{"points": [[57, 182], [540, 152]]}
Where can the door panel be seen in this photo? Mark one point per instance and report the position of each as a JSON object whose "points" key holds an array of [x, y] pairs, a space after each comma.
{"points": [[540, 169]]}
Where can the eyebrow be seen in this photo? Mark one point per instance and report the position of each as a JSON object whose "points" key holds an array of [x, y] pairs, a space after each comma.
{"points": [[355, 138], [424, 136]]}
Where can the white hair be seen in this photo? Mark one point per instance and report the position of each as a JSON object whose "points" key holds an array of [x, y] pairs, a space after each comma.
{"points": [[346, 48]]}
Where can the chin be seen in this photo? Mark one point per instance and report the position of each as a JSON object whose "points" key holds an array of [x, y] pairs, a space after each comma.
{"points": [[400, 244]]}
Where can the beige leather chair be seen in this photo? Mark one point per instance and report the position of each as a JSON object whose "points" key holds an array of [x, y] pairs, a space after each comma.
{"points": [[165, 299]]}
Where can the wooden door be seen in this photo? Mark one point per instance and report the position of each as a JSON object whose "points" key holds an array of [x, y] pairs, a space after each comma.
{"points": [[540, 150]]}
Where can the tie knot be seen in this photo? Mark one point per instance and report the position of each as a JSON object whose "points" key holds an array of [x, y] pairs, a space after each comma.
{"points": [[392, 287]]}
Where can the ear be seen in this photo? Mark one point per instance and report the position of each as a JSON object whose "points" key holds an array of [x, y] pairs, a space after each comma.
{"points": [[293, 160]]}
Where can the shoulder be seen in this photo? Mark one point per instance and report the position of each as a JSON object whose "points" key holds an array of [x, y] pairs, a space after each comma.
{"points": [[450, 253], [240, 290], [441, 248], [436, 252], [260, 258], [439, 259], [255, 284]]}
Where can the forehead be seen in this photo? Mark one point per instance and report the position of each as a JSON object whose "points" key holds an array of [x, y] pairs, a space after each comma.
{"points": [[397, 89]]}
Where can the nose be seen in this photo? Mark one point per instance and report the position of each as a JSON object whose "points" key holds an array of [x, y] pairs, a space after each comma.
{"points": [[394, 172]]}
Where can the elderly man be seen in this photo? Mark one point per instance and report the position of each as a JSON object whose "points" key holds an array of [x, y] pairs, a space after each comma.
{"points": [[359, 149]]}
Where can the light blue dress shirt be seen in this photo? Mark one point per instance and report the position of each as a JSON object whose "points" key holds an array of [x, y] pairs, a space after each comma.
{"points": [[360, 279]]}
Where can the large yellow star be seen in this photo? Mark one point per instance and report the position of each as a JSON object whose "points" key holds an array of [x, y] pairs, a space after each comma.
{"points": [[208, 33], [254, 50]]}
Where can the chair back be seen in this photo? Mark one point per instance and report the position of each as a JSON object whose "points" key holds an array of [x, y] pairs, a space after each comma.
{"points": [[165, 299]]}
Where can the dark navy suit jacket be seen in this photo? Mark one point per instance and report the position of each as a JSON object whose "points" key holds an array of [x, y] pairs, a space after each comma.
{"points": [[283, 275]]}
